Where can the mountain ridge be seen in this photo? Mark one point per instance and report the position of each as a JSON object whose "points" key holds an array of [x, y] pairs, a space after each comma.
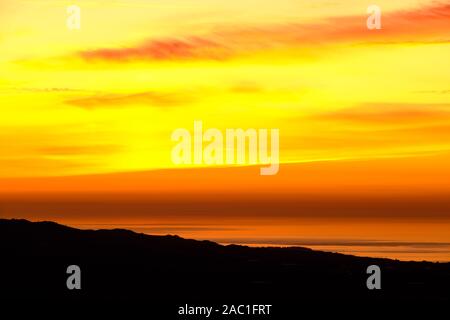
{"points": [[119, 264]]}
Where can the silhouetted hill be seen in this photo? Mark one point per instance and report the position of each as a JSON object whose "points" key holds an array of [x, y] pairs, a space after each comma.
{"points": [[120, 264]]}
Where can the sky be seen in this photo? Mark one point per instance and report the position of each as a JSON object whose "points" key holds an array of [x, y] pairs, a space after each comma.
{"points": [[363, 115]]}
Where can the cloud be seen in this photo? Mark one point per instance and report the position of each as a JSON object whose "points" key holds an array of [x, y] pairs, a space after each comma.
{"points": [[433, 91], [48, 90], [144, 98], [426, 25], [339, 242], [247, 88], [79, 150], [167, 49], [388, 113], [46, 166], [411, 43]]}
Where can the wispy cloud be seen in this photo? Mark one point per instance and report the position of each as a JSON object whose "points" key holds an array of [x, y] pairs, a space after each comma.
{"points": [[339, 242], [390, 112], [429, 25], [165, 49], [79, 150], [151, 99]]}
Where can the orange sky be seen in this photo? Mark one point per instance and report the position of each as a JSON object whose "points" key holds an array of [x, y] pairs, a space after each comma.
{"points": [[364, 117], [107, 97], [376, 208]]}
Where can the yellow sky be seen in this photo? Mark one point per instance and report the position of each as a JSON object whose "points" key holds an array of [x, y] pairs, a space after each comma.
{"points": [[107, 97]]}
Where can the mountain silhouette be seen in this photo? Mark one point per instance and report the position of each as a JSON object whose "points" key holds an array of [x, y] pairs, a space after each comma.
{"points": [[124, 265]]}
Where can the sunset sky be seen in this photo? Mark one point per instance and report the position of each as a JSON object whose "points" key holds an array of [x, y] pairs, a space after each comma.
{"points": [[364, 118]]}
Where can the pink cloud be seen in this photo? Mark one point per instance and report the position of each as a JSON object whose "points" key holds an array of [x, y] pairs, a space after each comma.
{"points": [[424, 25]]}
